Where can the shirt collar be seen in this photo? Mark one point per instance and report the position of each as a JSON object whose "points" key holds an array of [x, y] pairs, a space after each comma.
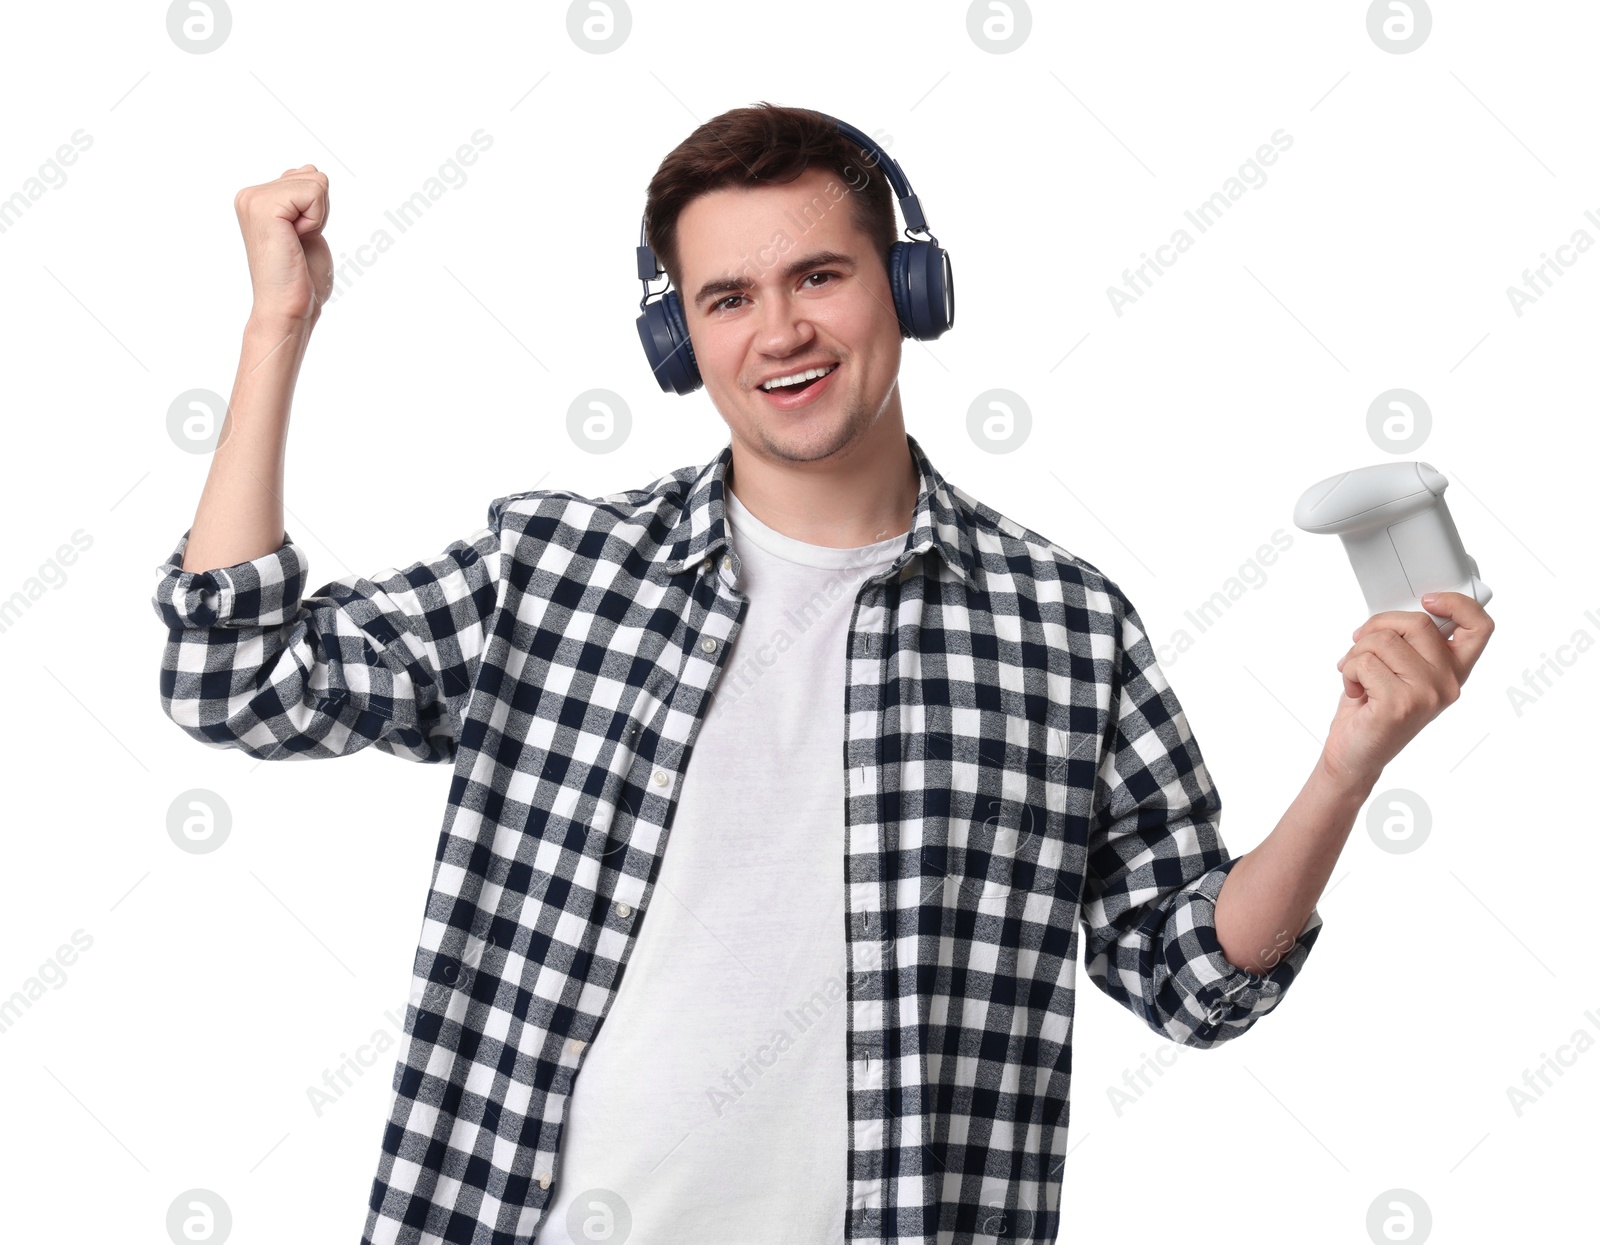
{"points": [[938, 522]]}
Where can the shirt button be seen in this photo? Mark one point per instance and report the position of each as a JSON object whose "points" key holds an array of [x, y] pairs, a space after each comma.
{"points": [[661, 778], [575, 1046], [708, 645], [544, 1180], [727, 562], [624, 910]]}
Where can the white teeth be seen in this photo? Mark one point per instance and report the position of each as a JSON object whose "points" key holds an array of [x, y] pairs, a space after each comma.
{"points": [[798, 377]]}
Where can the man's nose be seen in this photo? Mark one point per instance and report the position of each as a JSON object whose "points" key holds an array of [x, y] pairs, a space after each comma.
{"points": [[783, 325]]}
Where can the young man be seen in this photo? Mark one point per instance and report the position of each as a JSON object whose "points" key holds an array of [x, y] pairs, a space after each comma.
{"points": [[901, 746]]}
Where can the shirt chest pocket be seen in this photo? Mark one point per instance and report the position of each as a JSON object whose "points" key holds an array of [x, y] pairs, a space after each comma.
{"points": [[992, 821]]}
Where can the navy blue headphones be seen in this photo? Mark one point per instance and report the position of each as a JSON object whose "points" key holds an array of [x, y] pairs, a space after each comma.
{"points": [[919, 276]]}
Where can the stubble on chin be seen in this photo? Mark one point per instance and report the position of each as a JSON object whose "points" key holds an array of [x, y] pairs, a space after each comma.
{"points": [[837, 432]]}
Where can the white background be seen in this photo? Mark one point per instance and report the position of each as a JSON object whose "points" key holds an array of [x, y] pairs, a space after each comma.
{"points": [[178, 1051]]}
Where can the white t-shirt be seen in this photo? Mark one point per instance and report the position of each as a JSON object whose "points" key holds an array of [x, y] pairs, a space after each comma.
{"points": [[712, 1102]]}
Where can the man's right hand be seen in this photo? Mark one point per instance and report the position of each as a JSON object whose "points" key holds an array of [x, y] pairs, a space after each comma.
{"points": [[291, 268]]}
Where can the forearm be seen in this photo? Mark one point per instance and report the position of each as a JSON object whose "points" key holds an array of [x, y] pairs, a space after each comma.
{"points": [[1268, 895], [240, 515]]}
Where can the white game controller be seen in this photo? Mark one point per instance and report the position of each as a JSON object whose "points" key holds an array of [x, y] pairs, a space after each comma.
{"points": [[1398, 533]]}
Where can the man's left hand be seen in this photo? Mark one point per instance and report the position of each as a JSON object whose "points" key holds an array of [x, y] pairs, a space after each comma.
{"points": [[1398, 676]]}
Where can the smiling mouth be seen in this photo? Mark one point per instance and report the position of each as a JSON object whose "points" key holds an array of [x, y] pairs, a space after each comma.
{"points": [[801, 386]]}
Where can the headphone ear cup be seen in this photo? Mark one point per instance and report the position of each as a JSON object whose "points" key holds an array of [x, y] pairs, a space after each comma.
{"points": [[923, 289], [898, 287], [680, 339], [664, 334]]}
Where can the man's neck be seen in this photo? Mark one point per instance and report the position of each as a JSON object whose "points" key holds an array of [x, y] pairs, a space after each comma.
{"points": [[869, 497]]}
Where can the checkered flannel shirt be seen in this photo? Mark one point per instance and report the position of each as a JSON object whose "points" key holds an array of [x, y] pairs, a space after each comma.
{"points": [[1015, 763]]}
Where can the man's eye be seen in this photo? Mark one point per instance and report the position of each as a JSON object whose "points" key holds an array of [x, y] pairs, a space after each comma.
{"points": [[722, 303]]}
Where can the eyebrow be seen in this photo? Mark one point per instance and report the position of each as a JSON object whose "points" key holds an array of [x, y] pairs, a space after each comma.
{"points": [[738, 285]]}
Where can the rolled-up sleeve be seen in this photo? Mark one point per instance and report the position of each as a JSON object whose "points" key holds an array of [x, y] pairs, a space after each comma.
{"points": [[1156, 864], [253, 663]]}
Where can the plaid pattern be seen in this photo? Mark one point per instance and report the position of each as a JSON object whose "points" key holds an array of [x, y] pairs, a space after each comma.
{"points": [[1015, 765]]}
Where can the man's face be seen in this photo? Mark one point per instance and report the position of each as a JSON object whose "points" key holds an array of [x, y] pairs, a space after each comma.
{"points": [[785, 312]]}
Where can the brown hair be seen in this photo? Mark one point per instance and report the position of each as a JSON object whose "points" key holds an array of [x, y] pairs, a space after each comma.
{"points": [[761, 144]]}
